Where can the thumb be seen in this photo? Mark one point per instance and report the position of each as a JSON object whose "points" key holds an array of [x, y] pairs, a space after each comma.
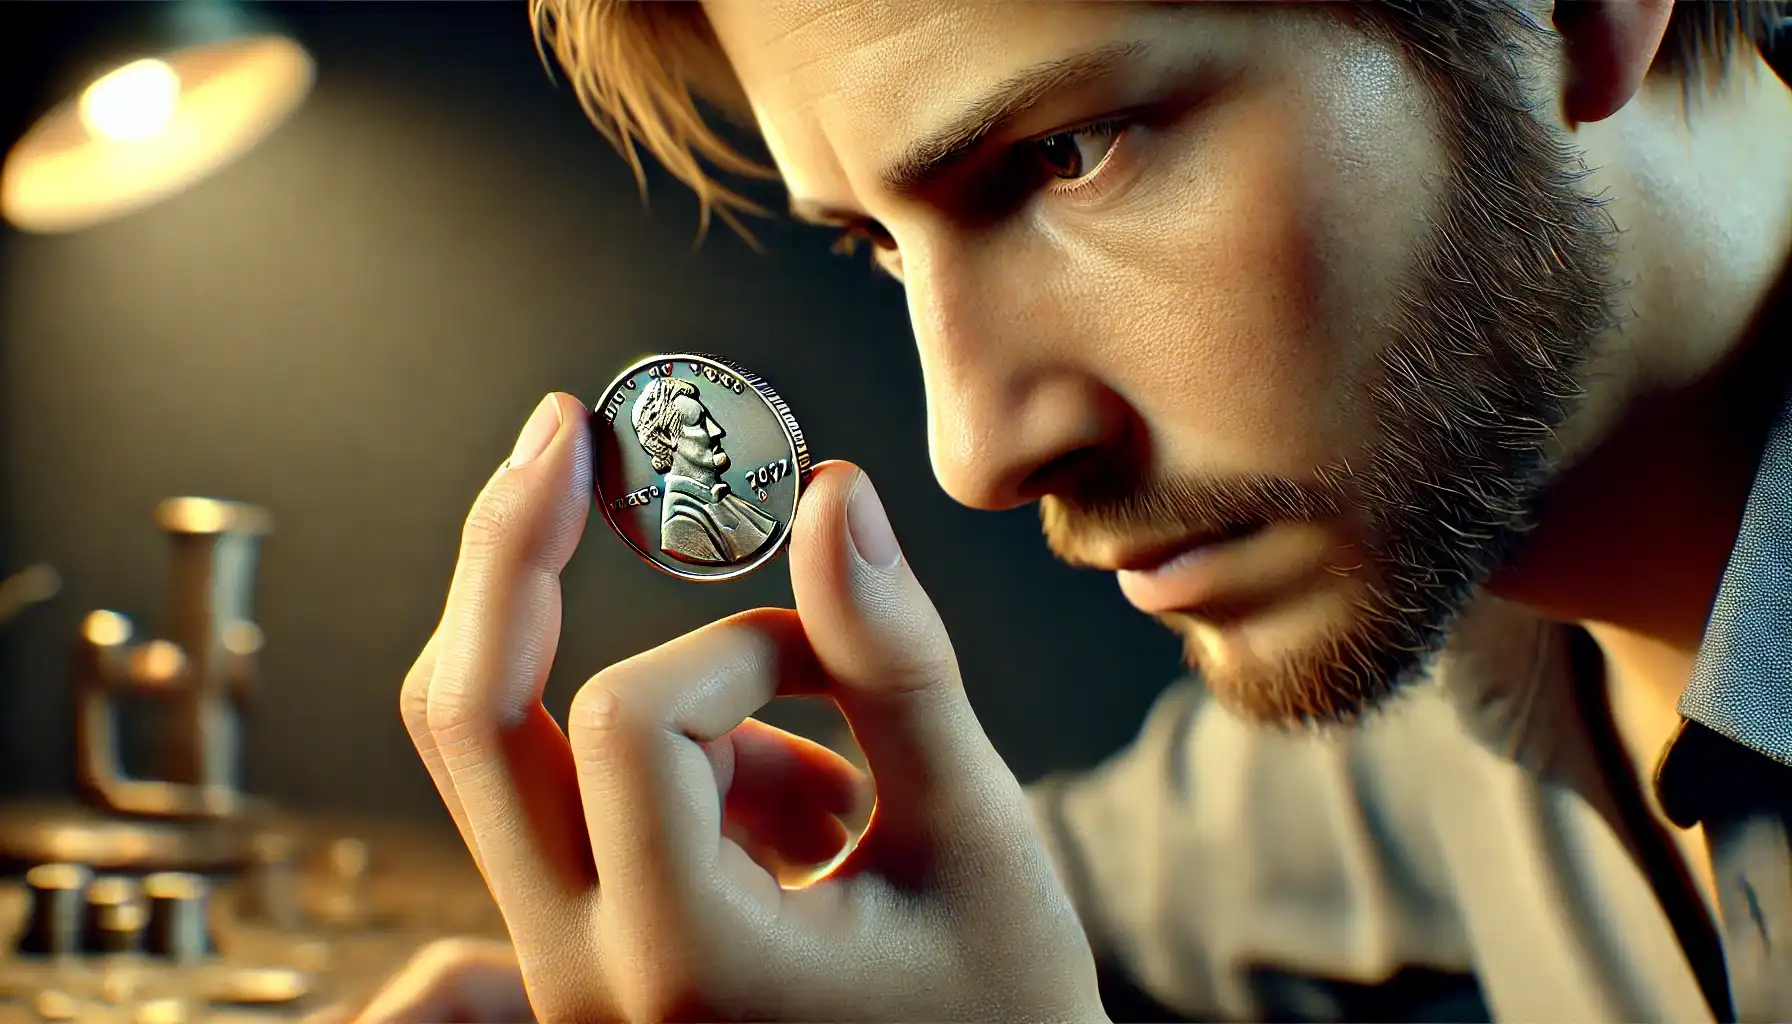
{"points": [[879, 638]]}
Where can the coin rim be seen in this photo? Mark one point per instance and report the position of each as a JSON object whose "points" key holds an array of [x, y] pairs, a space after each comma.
{"points": [[787, 423]]}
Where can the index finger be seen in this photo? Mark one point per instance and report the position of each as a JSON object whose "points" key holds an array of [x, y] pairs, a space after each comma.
{"points": [[648, 786], [506, 760]]}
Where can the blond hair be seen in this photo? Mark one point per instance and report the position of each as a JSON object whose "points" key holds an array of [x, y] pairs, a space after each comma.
{"points": [[639, 70], [640, 67]]}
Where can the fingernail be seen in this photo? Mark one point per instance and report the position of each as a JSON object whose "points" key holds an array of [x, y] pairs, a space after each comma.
{"points": [[543, 424], [869, 526]]}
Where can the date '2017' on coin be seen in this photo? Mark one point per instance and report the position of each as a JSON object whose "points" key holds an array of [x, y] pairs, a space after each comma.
{"points": [[699, 466]]}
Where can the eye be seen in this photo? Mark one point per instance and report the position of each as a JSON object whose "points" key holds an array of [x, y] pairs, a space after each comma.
{"points": [[863, 232], [884, 255], [1076, 154]]}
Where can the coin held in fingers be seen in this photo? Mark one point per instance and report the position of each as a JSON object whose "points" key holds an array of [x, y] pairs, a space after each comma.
{"points": [[699, 465]]}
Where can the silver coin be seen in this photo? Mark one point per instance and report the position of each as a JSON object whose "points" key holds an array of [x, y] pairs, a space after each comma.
{"points": [[699, 466]]}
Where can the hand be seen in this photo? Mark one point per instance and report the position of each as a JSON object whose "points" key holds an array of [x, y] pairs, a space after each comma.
{"points": [[615, 850]]}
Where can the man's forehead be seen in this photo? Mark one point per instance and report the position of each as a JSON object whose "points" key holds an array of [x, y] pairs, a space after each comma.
{"points": [[794, 53], [844, 89]]}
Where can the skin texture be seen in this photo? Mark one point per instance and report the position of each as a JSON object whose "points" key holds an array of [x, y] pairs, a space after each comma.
{"points": [[661, 790], [1236, 323], [1286, 303]]}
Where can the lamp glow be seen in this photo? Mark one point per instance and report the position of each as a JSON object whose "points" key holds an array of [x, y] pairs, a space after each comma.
{"points": [[150, 129], [132, 103]]}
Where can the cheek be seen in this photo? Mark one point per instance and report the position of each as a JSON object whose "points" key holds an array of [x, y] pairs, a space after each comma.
{"points": [[1212, 276], [1244, 283]]}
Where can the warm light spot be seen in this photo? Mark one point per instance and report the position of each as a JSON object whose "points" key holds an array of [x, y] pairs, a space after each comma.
{"points": [[150, 129], [106, 629], [132, 103], [158, 663], [193, 515], [200, 516]]}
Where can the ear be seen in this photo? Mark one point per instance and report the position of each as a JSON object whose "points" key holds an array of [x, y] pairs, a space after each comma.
{"points": [[1610, 45]]}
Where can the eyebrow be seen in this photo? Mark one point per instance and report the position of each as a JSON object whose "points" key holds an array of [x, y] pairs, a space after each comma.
{"points": [[926, 159]]}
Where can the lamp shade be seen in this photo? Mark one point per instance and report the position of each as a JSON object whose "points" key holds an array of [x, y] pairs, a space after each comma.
{"points": [[184, 106]]}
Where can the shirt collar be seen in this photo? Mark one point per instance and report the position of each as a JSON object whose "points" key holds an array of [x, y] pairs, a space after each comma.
{"points": [[1740, 692]]}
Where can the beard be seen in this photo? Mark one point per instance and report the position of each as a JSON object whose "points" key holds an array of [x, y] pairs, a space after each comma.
{"points": [[1496, 317]]}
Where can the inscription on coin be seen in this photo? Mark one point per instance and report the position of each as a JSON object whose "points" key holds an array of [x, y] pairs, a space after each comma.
{"points": [[699, 466]]}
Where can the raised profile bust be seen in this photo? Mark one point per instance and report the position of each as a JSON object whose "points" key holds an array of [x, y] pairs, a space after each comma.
{"points": [[701, 521]]}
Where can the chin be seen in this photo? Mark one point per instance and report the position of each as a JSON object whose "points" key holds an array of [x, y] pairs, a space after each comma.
{"points": [[1317, 659]]}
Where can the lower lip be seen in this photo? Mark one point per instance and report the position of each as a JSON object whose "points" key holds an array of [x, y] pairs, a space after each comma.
{"points": [[1187, 581]]}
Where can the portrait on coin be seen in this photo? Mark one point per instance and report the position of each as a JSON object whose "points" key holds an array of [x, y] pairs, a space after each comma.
{"points": [[701, 520]]}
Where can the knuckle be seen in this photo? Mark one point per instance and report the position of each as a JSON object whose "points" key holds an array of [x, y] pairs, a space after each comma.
{"points": [[450, 711], [413, 700], [599, 720]]}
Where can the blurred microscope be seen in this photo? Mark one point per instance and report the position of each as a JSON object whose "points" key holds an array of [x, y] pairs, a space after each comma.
{"points": [[181, 897]]}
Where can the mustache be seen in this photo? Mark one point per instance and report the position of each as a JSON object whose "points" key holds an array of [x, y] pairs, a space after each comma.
{"points": [[1116, 501]]}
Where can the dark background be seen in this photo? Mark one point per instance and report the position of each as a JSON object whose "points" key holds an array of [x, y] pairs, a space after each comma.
{"points": [[349, 325]]}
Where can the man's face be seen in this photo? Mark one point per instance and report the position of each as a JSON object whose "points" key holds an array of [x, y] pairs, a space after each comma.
{"points": [[696, 441], [1269, 323]]}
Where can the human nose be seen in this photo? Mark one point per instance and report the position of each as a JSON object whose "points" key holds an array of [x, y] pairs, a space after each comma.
{"points": [[1013, 405], [714, 429]]}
